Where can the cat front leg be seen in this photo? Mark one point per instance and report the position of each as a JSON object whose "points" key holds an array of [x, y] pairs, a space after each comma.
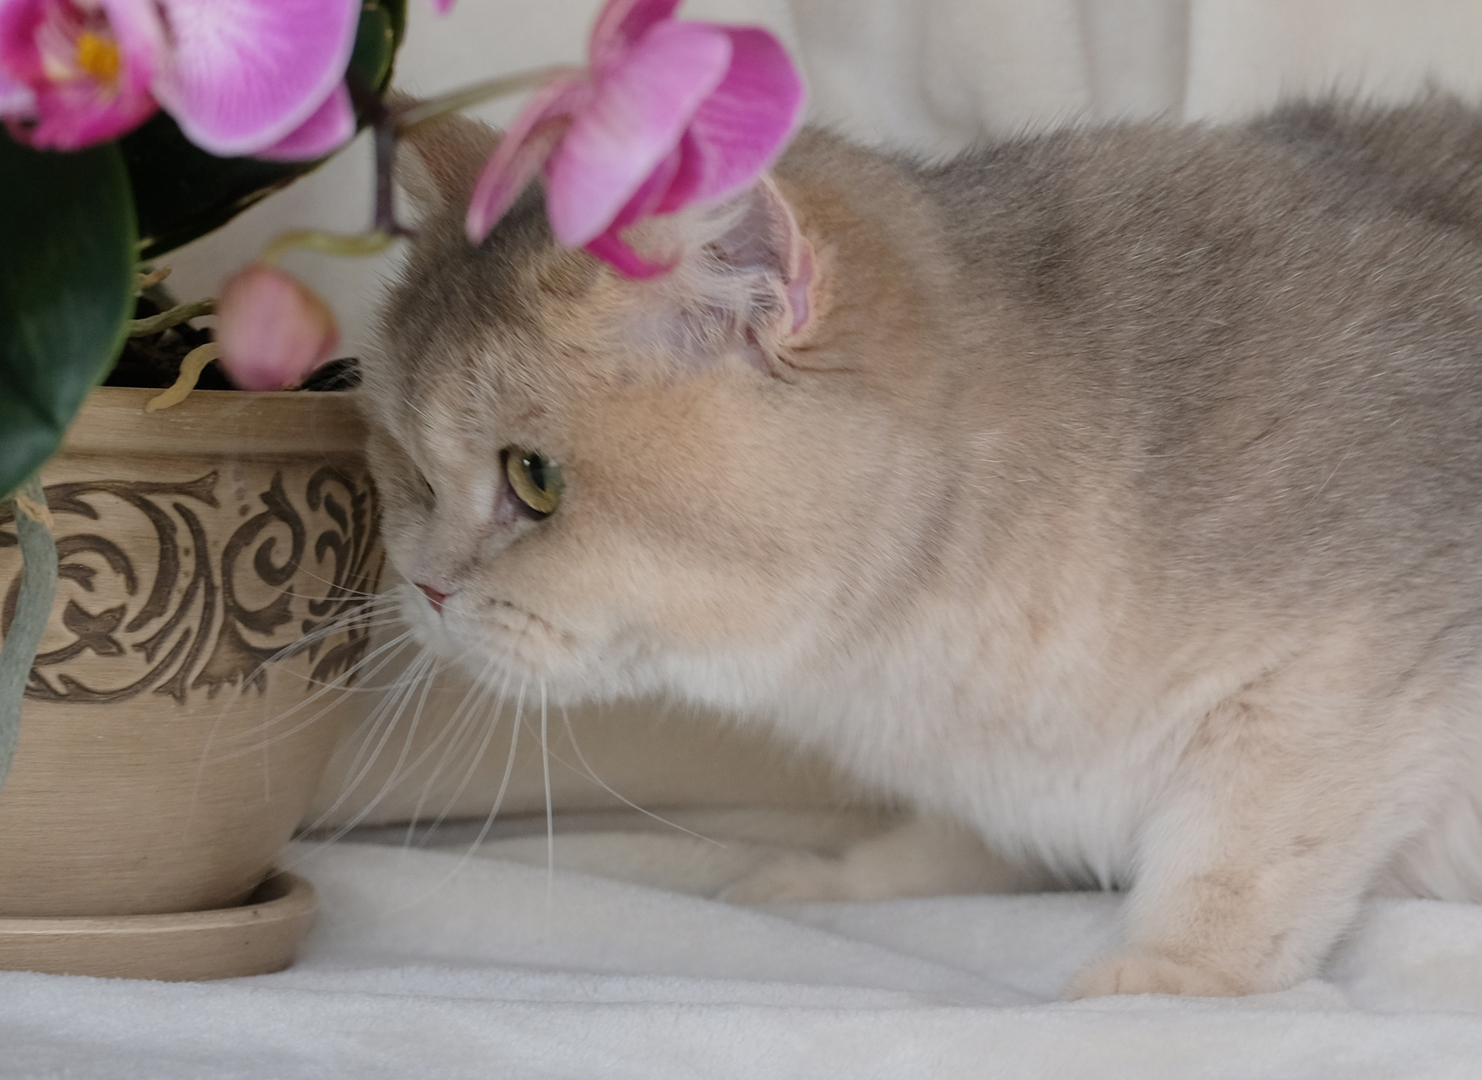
{"points": [[1269, 837], [924, 856]]}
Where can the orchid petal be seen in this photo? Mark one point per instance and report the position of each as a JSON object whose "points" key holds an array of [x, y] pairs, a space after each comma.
{"points": [[141, 38], [69, 118], [610, 245], [134, 26], [246, 74], [16, 98], [442, 7], [650, 194], [521, 153], [635, 119], [741, 128], [621, 23], [331, 126], [79, 106], [19, 22]]}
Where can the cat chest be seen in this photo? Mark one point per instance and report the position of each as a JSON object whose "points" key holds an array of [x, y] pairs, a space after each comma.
{"points": [[1078, 819], [1074, 805]]}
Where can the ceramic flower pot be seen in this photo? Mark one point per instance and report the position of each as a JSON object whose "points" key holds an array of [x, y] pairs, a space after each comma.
{"points": [[163, 761]]}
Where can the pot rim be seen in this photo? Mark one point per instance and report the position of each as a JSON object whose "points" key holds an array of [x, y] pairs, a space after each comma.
{"points": [[234, 423]]}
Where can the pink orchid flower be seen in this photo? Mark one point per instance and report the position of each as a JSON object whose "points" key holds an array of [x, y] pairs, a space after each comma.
{"points": [[667, 114], [260, 77]]}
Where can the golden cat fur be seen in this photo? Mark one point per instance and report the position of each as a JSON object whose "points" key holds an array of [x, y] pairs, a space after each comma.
{"points": [[1115, 493]]}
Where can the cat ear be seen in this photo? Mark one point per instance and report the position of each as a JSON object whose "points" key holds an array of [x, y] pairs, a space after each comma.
{"points": [[743, 281], [438, 164], [765, 241]]}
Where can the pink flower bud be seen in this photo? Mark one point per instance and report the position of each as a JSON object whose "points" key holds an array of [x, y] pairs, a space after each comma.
{"points": [[272, 330]]}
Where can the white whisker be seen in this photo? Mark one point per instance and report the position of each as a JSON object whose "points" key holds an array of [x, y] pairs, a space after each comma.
{"points": [[459, 723], [580, 757], [336, 587], [509, 766], [385, 716], [550, 819], [479, 755], [253, 735]]}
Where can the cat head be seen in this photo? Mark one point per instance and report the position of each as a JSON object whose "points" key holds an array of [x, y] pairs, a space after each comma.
{"points": [[699, 483]]}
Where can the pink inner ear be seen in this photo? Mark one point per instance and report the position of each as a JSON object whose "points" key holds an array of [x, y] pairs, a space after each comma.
{"points": [[775, 266], [800, 277], [792, 254]]}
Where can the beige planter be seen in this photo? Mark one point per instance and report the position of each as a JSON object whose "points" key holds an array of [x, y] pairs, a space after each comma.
{"points": [[161, 764]]}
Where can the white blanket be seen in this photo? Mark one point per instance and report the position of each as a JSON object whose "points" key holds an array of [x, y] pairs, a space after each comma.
{"points": [[475, 963]]}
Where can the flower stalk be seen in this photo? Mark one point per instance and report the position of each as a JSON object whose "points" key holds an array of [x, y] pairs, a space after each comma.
{"points": [[412, 117], [156, 324], [325, 243]]}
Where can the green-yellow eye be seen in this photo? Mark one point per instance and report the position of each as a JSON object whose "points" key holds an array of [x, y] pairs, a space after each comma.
{"points": [[536, 480]]}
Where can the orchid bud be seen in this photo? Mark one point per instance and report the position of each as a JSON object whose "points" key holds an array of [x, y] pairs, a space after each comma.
{"points": [[272, 329]]}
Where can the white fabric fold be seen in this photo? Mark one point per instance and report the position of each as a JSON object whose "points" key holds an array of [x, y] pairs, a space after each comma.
{"points": [[468, 963]]}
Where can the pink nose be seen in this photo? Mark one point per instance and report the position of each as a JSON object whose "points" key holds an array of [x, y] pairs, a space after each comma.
{"points": [[434, 597]]}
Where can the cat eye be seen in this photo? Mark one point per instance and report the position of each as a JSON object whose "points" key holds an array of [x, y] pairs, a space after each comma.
{"points": [[535, 480]]}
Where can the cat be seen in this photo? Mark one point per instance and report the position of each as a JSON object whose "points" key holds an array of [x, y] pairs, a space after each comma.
{"points": [[1114, 492]]}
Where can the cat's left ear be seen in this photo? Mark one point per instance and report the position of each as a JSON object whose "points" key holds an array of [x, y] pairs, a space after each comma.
{"points": [[748, 285], [767, 241], [438, 164]]}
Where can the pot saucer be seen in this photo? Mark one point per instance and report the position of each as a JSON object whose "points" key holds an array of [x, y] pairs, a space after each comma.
{"points": [[253, 938]]}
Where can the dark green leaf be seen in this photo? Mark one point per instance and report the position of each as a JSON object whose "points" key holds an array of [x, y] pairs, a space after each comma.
{"points": [[396, 10], [66, 289], [183, 192], [374, 46]]}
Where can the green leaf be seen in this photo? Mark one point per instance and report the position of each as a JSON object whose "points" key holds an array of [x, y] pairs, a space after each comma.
{"points": [[375, 46], [396, 11], [66, 290], [182, 192]]}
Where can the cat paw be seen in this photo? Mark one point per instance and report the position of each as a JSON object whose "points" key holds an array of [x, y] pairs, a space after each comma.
{"points": [[794, 877], [1138, 971]]}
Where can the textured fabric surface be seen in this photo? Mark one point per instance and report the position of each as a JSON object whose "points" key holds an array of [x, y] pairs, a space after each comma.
{"points": [[463, 963]]}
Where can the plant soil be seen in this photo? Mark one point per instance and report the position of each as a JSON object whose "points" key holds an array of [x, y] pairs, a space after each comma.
{"points": [[154, 361]]}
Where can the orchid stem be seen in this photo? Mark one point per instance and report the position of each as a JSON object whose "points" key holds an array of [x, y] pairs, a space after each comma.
{"points": [[426, 111], [32, 612], [325, 243], [174, 317], [385, 212]]}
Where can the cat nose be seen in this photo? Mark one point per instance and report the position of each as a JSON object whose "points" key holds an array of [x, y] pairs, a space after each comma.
{"points": [[434, 596]]}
